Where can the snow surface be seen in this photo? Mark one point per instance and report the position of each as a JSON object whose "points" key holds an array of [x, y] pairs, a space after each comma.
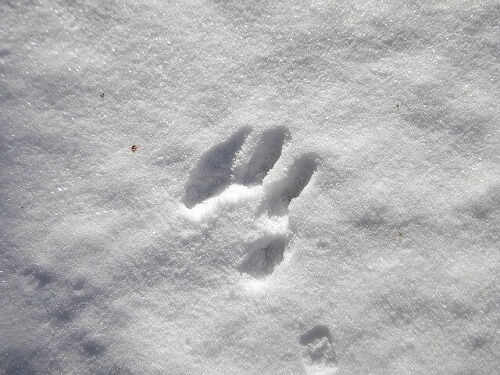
{"points": [[315, 187]]}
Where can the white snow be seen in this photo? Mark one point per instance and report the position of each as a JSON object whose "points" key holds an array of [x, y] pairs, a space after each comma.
{"points": [[315, 187]]}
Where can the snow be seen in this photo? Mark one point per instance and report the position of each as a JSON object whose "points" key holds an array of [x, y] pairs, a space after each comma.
{"points": [[314, 187]]}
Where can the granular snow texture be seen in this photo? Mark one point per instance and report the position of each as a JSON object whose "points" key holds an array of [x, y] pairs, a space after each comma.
{"points": [[249, 187]]}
